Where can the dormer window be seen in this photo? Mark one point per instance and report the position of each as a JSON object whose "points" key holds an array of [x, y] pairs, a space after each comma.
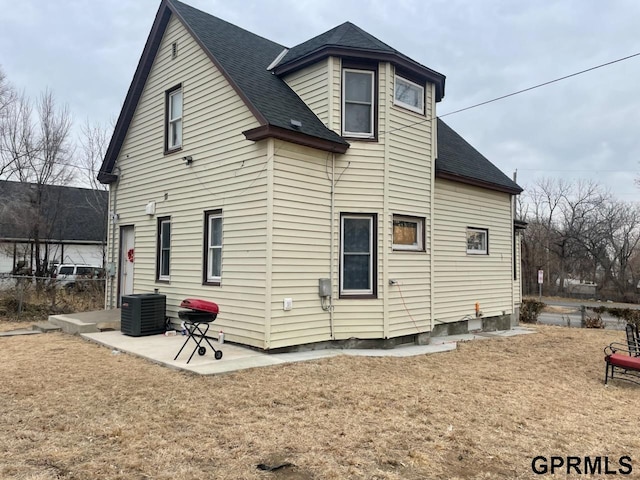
{"points": [[358, 103], [409, 95]]}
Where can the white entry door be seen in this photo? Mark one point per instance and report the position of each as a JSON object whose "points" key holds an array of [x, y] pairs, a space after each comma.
{"points": [[127, 260]]}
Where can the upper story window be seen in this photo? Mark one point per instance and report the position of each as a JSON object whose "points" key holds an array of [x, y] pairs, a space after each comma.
{"points": [[358, 103], [173, 131], [213, 249], [409, 95]]}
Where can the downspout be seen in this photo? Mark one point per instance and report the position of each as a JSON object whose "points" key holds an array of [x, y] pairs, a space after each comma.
{"points": [[513, 251], [332, 243], [113, 237], [432, 249]]}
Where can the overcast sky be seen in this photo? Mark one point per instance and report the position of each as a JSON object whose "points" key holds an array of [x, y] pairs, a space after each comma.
{"points": [[584, 127]]}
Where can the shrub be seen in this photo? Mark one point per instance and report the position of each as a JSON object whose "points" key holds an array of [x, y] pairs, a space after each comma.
{"points": [[630, 315], [594, 322], [530, 309]]}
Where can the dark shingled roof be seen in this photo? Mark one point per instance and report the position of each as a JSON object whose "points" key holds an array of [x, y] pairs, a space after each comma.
{"points": [[459, 161], [245, 56], [349, 39], [68, 214], [345, 35]]}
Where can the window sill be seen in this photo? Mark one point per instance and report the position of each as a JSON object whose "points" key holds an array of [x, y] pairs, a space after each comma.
{"points": [[409, 109], [408, 250], [212, 283], [359, 139], [165, 281], [364, 296], [173, 150]]}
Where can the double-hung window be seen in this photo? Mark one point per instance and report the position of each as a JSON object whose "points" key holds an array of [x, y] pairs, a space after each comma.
{"points": [[173, 140], [358, 103], [357, 255], [213, 247], [477, 241], [163, 255], [409, 95]]}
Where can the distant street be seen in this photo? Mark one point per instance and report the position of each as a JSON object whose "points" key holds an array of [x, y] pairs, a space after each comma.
{"points": [[566, 312]]}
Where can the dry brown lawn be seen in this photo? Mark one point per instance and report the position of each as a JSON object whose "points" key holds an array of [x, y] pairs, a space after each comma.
{"points": [[74, 410]]}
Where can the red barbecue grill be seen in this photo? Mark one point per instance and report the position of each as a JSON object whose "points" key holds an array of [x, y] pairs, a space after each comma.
{"points": [[196, 319]]}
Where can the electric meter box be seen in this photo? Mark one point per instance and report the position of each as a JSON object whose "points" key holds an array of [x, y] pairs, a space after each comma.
{"points": [[324, 287]]}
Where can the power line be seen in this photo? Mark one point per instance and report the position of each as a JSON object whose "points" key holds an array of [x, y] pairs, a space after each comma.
{"points": [[542, 84], [518, 92]]}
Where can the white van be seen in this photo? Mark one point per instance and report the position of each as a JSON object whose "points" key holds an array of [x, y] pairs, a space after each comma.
{"points": [[71, 275]]}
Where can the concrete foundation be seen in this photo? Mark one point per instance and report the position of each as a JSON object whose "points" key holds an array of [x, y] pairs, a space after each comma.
{"points": [[501, 322], [485, 324], [515, 317]]}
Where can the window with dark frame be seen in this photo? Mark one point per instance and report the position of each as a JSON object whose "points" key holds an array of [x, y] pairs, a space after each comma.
{"points": [[358, 103], [357, 255], [477, 241], [173, 130], [163, 259], [213, 247], [408, 233]]}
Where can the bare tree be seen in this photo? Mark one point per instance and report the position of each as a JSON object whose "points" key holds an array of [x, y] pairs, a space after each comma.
{"points": [[578, 232], [8, 100], [38, 151], [94, 141]]}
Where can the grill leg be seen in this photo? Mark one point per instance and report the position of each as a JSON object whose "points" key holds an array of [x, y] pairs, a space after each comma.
{"points": [[195, 332], [201, 335]]}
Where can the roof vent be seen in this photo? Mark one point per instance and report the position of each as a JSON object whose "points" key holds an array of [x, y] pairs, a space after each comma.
{"points": [[296, 123]]}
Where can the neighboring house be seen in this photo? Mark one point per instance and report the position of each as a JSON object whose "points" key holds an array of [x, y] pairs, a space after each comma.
{"points": [[69, 224], [245, 173]]}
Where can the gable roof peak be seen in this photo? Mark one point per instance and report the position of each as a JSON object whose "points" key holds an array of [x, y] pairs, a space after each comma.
{"points": [[242, 57]]}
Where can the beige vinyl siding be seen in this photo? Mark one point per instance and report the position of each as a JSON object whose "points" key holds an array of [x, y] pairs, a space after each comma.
{"points": [[312, 86], [409, 193], [228, 173], [301, 244], [335, 94], [461, 279], [301, 241]]}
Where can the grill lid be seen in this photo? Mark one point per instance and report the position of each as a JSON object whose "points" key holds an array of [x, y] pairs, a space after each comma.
{"points": [[200, 305]]}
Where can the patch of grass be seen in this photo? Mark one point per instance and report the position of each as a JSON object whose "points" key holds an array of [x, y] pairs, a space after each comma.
{"points": [[27, 302], [482, 411]]}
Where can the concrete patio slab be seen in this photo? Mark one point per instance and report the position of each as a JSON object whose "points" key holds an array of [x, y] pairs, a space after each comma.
{"points": [[162, 349]]}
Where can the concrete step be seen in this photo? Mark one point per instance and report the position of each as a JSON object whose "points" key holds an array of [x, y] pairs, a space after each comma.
{"points": [[45, 327], [87, 322]]}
